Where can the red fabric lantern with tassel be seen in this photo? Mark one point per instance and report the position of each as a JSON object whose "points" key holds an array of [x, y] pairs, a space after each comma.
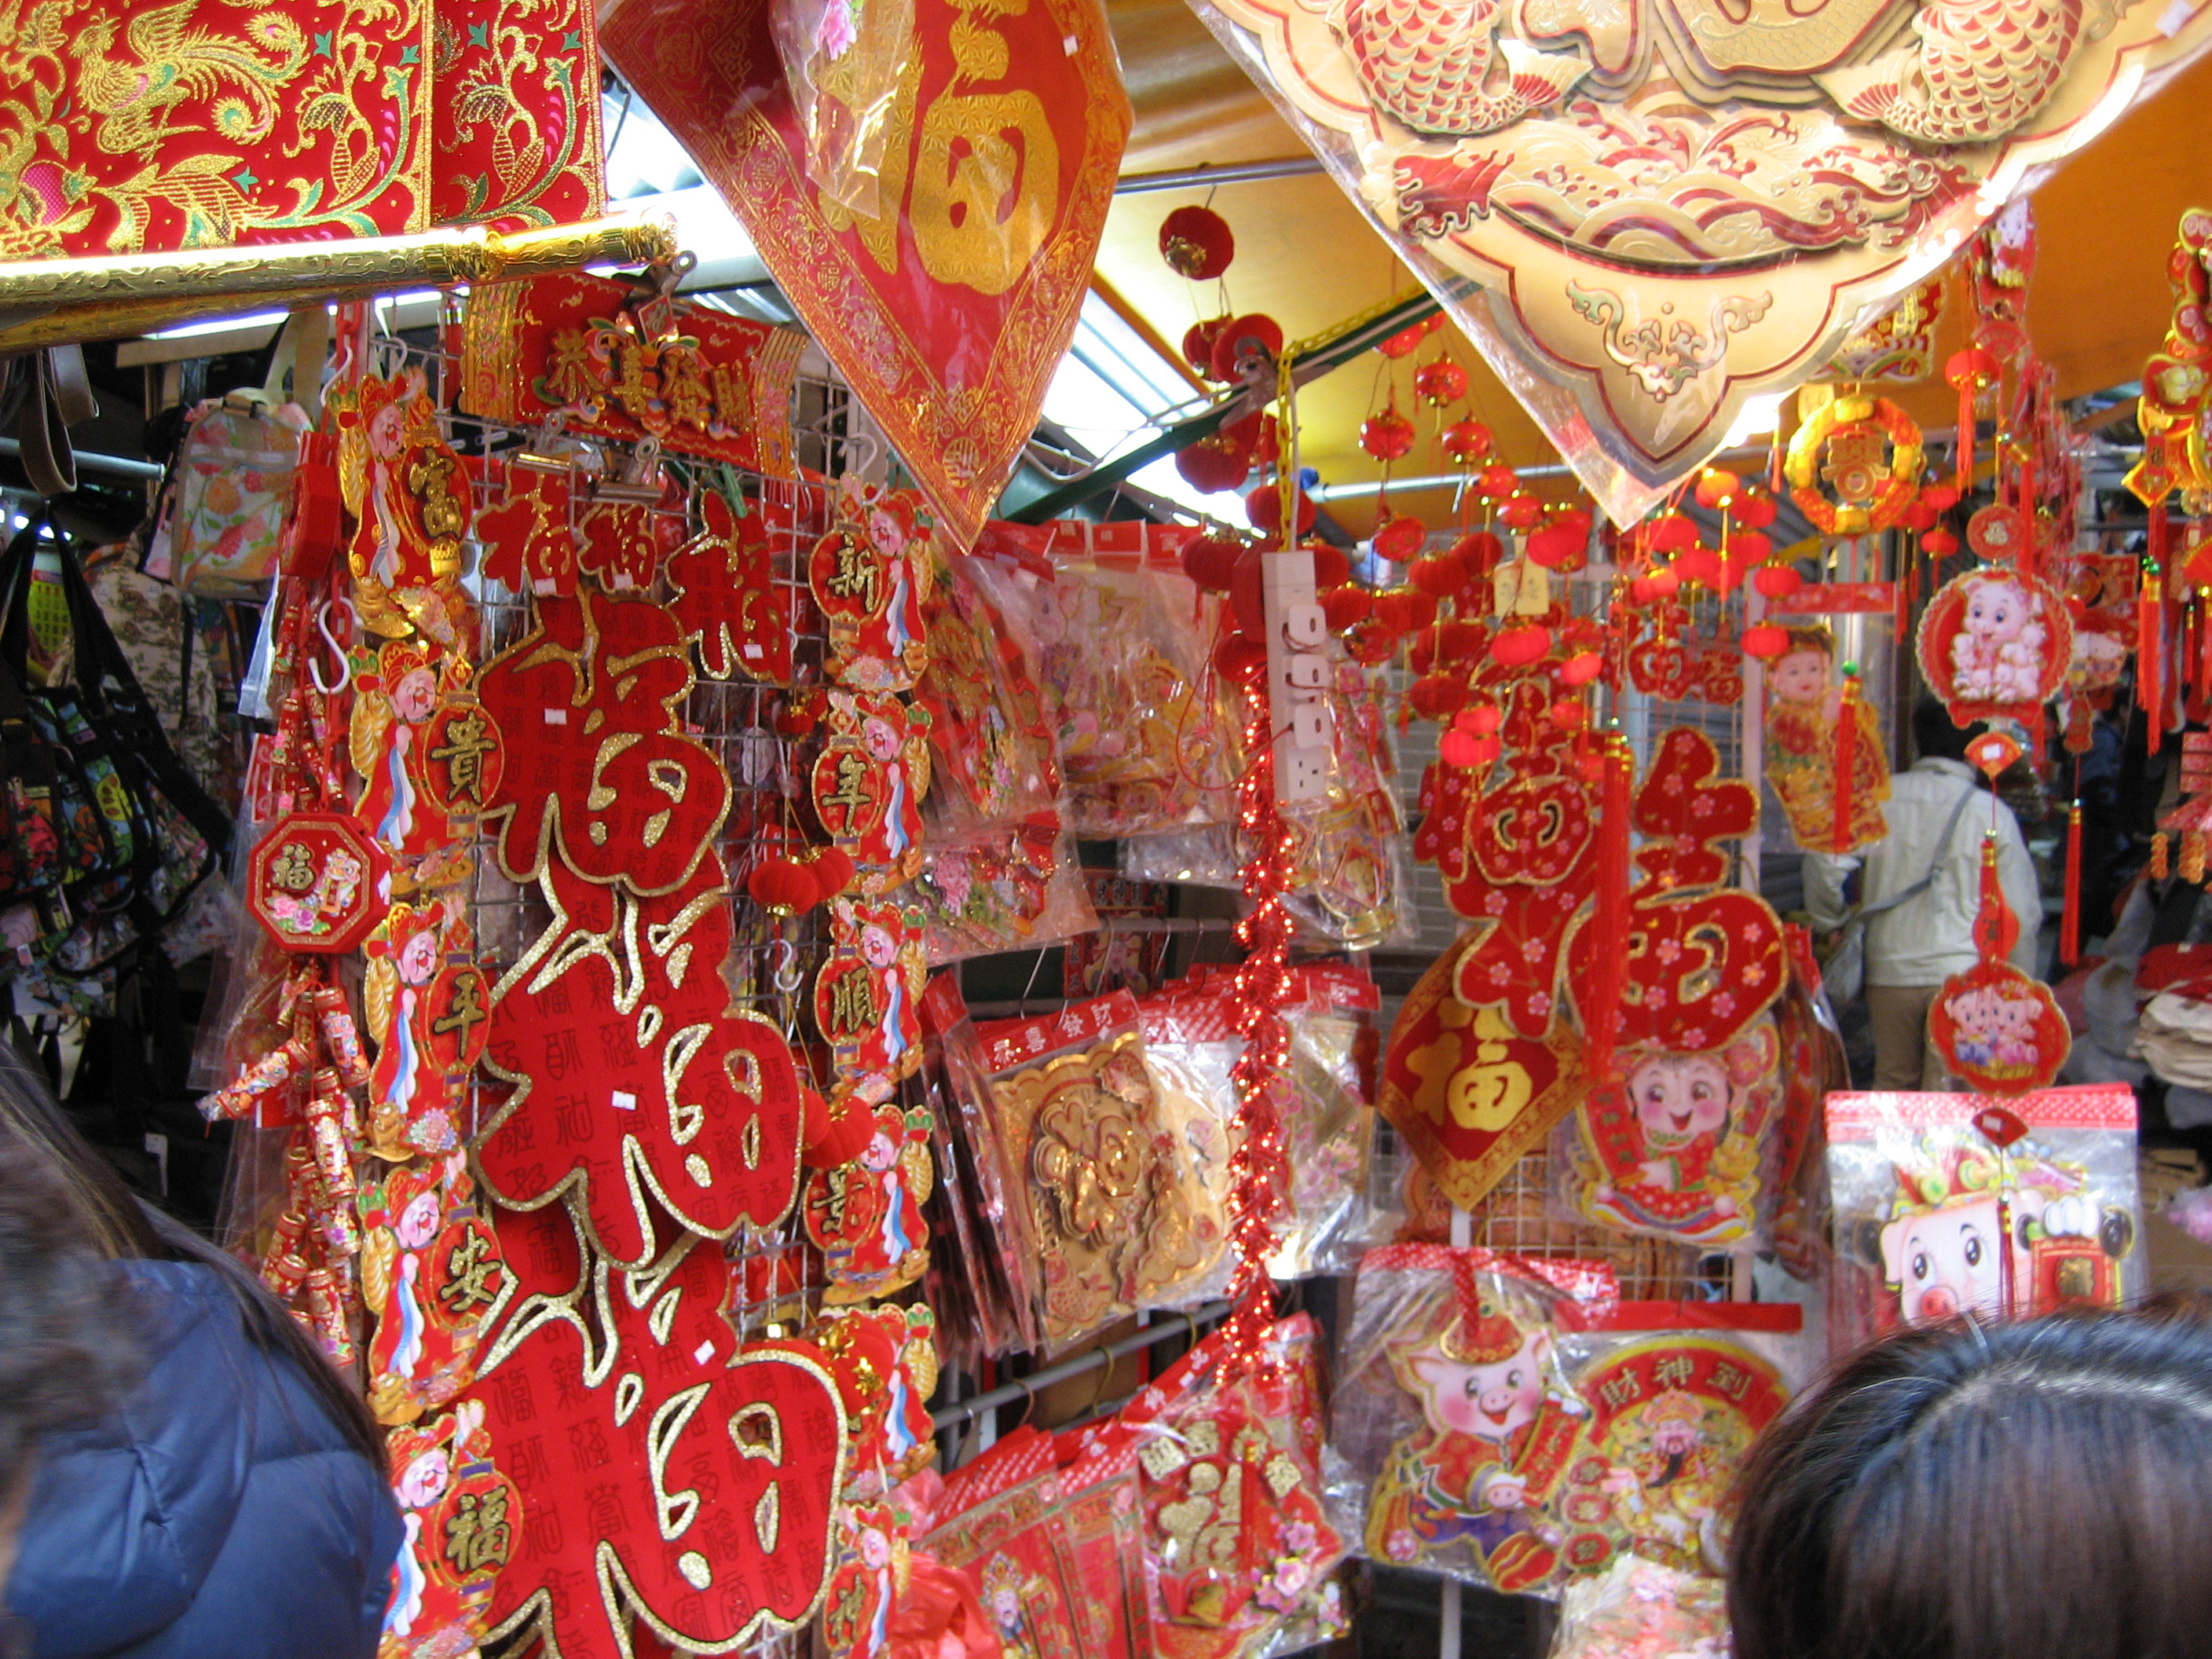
{"points": [[1972, 372], [1197, 243]]}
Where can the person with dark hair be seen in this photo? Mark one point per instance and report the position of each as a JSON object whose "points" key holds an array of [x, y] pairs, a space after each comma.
{"points": [[1920, 886], [230, 1502], [1965, 1491]]}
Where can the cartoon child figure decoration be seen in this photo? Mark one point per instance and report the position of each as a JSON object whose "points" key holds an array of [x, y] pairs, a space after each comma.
{"points": [[1807, 749], [1673, 1150], [1498, 1428]]}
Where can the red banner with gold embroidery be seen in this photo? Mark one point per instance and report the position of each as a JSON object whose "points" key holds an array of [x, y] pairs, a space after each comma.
{"points": [[949, 311], [133, 127]]}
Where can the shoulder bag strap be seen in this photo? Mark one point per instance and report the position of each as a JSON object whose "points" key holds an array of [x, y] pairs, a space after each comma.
{"points": [[1934, 861]]}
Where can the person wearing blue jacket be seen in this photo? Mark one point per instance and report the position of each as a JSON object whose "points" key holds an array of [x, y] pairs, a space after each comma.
{"points": [[232, 1500]]}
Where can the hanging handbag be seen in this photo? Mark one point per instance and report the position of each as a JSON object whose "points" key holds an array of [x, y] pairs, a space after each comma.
{"points": [[137, 834], [1844, 975]]}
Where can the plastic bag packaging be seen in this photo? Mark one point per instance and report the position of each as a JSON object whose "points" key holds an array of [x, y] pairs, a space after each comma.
{"points": [[1678, 1391], [1679, 1147], [1123, 648], [1351, 888], [1933, 1216], [845, 63], [994, 760], [1001, 890], [1117, 1210], [1329, 1133], [1200, 857], [1813, 1067], [984, 1219], [1638, 1609], [1238, 1551], [1457, 1442], [1192, 1048]]}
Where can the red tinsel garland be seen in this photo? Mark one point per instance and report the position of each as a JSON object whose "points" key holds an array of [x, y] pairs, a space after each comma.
{"points": [[1264, 985]]}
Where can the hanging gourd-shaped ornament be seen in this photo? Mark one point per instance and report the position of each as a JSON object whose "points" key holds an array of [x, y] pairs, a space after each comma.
{"points": [[1854, 465]]}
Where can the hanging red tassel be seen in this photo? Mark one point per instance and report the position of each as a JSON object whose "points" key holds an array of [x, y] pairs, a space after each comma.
{"points": [[1847, 755], [1608, 974], [2150, 629], [1971, 371], [2069, 924]]}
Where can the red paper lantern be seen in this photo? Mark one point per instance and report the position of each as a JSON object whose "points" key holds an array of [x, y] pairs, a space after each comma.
{"points": [[1263, 506], [1404, 343], [1499, 481], [834, 870], [1480, 550], [1521, 511], [1717, 489], [1484, 718], [1251, 342], [1941, 497], [1670, 533], [1765, 641], [1198, 344], [1698, 564], [1939, 544], [1240, 661], [1974, 368], [1519, 645], [1331, 568], [1748, 547], [1569, 715], [1441, 382], [1437, 575], [1459, 749], [1213, 463], [1404, 611], [1371, 642], [1754, 509], [1460, 642], [1208, 561], [1778, 581], [1388, 436], [1559, 546], [1582, 668], [1437, 696], [783, 887], [1918, 516], [1345, 606], [1466, 441], [1197, 243], [831, 1136], [1399, 538], [1487, 750]]}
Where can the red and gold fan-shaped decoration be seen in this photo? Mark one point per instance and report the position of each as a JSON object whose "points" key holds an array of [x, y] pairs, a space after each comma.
{"points": [[1854, 465]]}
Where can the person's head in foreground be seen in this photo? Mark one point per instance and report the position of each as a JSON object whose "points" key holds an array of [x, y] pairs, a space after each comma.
{"points": [[1970, 1491]]}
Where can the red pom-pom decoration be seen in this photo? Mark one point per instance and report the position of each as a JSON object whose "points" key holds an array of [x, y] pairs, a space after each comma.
{"points": [[1197, 243]]}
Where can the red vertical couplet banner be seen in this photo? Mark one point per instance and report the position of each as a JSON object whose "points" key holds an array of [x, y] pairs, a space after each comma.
{"points": [[950, 302]]}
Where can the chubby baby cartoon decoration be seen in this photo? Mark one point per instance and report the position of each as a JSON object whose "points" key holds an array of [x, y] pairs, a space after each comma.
{"points": [[1456, 1408], [1824, 748], [1996, 643], [1999, 1031], [1672, 1147]]}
